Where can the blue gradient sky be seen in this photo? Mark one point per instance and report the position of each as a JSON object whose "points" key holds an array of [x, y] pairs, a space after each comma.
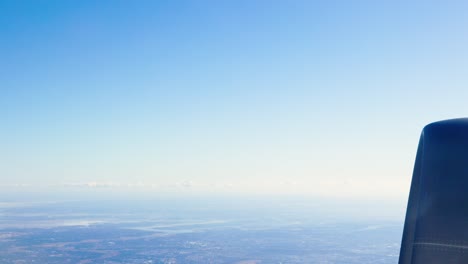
{"points": [[296, 97]]}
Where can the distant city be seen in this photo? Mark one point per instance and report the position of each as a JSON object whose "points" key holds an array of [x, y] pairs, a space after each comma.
{"points": [[188, 231]]}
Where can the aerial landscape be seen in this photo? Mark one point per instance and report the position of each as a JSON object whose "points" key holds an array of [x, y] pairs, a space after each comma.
{"points": [[207, 131], [150, 231]]}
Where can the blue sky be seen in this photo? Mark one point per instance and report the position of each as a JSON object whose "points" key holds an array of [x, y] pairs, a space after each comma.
{"points": [[296, 97]]}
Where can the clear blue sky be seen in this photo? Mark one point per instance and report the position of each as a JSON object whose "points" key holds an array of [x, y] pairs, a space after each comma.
{"points": [[298, 97]]}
